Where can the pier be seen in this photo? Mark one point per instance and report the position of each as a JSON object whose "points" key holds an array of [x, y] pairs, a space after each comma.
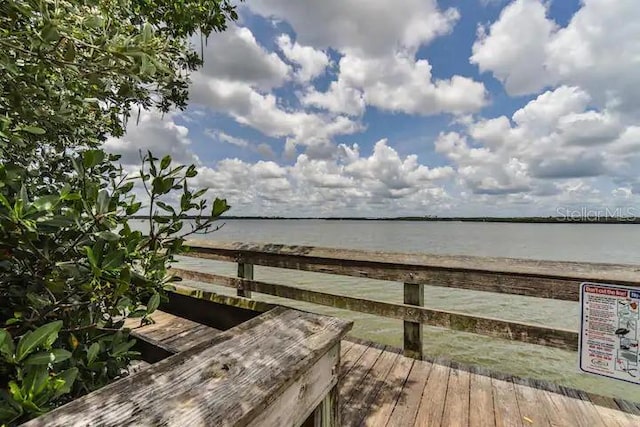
{"points": [[234, 360], [382, 386]]}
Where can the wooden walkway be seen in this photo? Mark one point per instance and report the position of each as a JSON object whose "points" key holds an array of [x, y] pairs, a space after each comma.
{"points": [[380, 387]]}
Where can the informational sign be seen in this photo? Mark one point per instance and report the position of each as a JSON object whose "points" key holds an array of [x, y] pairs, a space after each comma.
{"points": [[609, 332]]}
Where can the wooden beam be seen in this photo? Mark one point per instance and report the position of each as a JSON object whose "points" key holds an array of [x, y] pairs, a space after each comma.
{"points": [[234, 378], [544, 279], [245, 271], [412, 343], [514, 331]]}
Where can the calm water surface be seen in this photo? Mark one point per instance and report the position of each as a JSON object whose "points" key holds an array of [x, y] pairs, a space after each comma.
{"points": [[571, 242]]}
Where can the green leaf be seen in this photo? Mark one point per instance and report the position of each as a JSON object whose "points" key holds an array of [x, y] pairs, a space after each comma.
{"points": [[91, 158], [219, 207], [92, 353], [166, 207], [70, 52], [69, 376], [34, 339], [50, 33], [91, 256], [45, 357], [147, 32], [191, 172], [113, 259], [102, 204], [35, 130], [122, 348], [154, 303], [109, 236], [6, 344], [4, 201], [200, 192], [133, 208], [165, 162], [36, 380], [46, 203]]}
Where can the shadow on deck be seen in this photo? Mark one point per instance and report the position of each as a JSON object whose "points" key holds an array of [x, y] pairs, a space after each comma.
{"points": [[381, 387]]}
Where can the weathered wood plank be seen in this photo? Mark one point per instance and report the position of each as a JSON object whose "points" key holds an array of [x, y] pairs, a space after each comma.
{"points": [[628, 407], [545, 279], [245, 271], [556, 406], [328, 413], [529, 404], [481, 412], [456, 407], [345, 347], [354, 410], [412, 331], [356, 374], [611, 413], [406, 409], [299, 400], [434, 395], [385, 400], [226, 381], [515, 331], [584, 410], [350, 358], [191, 338], [505, 404]]}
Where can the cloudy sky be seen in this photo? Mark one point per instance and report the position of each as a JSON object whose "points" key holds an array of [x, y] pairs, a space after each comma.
{"points": [[413, 107]]}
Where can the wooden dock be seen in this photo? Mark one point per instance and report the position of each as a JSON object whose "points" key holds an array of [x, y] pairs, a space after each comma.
{"points": [[381, 387]]}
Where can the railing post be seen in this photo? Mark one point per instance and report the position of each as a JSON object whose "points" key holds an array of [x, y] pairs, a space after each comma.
{"points": [[245, 271], [413, 295]]}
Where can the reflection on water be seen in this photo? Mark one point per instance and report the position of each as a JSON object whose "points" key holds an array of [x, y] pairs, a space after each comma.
{"points": [[579, 242]]}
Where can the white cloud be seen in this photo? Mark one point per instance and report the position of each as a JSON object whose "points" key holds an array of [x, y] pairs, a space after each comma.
{"points": [[397, 83], [371, 28], [262, 112], [378, 42], [514, 49], [311, 62], [597, 51], [329, 186], [157, 133], [225, 137], [555, 137], [235, 55]]}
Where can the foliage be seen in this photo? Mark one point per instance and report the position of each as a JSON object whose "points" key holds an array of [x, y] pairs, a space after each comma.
{"points": [[72, 260], [72, 70], [72, 264]]}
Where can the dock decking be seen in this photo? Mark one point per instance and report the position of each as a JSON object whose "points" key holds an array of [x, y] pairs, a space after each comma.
{"points": [[380, 387]]}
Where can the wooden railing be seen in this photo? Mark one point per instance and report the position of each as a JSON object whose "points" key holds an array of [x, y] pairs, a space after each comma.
{"points": [[543, 279]]}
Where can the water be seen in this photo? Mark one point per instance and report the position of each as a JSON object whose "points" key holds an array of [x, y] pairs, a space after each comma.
{"points": [[570, 242]]}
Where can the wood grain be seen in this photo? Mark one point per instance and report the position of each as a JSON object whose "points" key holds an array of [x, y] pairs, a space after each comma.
{"points": [[481, 412], [228, 380], [456, 408], [505, 404], [545, 279], [434, 395], [406, 409], [510, 330], [384, 402]]}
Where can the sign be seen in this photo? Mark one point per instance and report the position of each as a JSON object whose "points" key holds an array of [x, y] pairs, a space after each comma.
{"points": [[609, 331]]}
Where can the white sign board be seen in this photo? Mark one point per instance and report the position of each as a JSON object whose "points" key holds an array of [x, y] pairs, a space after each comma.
{"points": [[609, 331]]}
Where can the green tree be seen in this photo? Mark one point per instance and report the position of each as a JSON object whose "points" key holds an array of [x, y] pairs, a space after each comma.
{"points": [[72, 266]]}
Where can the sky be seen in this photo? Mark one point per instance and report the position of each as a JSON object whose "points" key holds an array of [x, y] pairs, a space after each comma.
{"points": [[413, 107]]}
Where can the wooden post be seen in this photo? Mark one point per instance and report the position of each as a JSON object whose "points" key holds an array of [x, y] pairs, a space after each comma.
{"points": [[327, 414], [245, 271], [413, 295]]}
